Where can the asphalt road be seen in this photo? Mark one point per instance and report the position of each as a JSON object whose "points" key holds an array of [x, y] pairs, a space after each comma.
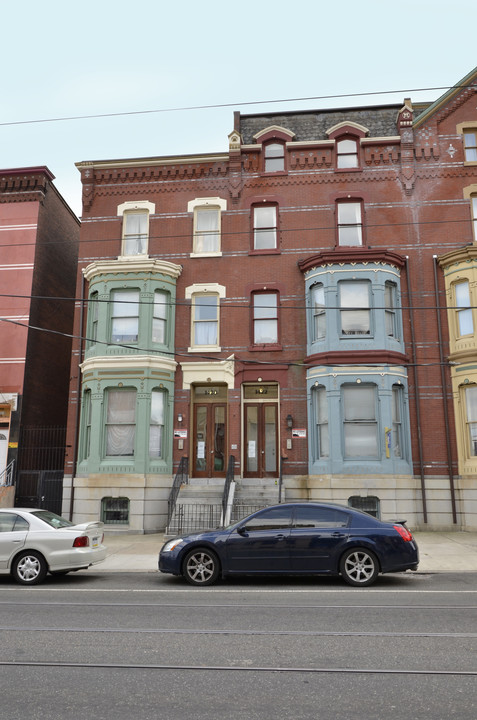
{"points": [[125, 646]]}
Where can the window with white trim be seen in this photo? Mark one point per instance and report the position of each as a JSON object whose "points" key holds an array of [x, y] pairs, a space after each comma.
{"points": [[319, 312], [470, 145], [471, 408], [397, 430], [207, 224], [390, 315], [347, 154], [274, 154], [205, 319], [135, 229], [159, 318]]}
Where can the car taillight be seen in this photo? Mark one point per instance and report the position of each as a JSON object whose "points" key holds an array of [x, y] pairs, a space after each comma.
{"points": [[82, 541], [404, 532]]}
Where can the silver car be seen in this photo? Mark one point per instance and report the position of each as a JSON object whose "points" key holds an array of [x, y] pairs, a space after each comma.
{"points": [[34, 542]]}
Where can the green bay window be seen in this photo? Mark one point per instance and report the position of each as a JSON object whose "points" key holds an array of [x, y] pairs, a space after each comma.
{"points": [[120, 422]]}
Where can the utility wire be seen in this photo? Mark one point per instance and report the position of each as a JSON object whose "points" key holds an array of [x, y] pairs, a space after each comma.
{"points": [[217, 106]]}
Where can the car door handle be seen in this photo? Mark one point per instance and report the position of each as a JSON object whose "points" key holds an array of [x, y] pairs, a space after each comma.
{"points": [[338, 534], [280, 537]]}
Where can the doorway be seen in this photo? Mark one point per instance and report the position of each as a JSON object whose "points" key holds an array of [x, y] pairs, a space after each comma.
{"points": [[209, 433], [261, 440]]}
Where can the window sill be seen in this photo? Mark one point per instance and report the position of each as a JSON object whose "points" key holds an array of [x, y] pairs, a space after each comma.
{"points": [[206, 254], [204, 349], [352, 170], [273, 173], [132, 258]]}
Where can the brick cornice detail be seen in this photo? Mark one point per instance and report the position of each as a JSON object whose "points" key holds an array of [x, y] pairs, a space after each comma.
{"points": [[357, 357], [24, 185]]}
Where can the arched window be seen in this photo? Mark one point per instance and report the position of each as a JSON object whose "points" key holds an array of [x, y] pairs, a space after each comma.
{"points": [[347, 154]]}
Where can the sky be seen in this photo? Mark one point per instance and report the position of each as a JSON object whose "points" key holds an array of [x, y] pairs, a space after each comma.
{"points": [[154, 60]]}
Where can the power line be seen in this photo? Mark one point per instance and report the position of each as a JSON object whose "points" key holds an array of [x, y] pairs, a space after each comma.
{"points": [[246, 361], [218, 106]]}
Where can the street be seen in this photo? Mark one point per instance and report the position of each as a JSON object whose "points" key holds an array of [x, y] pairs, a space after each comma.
{"points": [[144, 645]]}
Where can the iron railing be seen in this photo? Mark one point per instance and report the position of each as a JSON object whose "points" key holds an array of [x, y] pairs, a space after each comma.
{"points": [[181, 478], [229, 478], [7, 476], [193, 517]]}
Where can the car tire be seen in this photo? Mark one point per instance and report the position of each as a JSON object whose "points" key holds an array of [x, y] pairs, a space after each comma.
{"points": [[29, 568], [359, 567], [201, 567]]}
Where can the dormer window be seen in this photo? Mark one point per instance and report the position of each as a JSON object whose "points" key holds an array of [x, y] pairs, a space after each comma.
{"points": [[347, 154], [274, 154], [135, 231]]}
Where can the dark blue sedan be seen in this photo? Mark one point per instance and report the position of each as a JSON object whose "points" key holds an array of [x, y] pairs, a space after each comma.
{"points": [[295, 539]]}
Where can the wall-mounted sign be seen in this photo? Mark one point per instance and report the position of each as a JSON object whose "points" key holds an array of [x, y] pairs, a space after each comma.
{"points": [[180, 433], [299, 432]]}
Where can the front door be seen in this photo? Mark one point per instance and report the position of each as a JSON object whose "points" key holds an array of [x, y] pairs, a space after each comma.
{"points": [[209, 440], [261, 440]]}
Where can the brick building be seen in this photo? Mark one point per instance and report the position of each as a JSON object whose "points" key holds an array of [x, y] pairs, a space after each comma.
{"points": [[303, 302], [38, 248]]}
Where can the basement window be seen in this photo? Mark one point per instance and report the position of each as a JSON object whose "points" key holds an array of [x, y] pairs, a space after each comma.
{"points": [[115, 511]]}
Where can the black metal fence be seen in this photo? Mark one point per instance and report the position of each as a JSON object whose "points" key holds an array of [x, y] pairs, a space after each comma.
{"points": [[197, 517]]}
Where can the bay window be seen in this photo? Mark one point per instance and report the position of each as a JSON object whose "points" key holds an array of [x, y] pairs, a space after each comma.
{"points": [[465, 324], [319, 313], [320, 410], [159, 319], [355, 307], [125, 316], [156, 425], [360, 426]]}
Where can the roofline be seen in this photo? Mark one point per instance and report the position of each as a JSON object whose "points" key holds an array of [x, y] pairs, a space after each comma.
{"points": [[30, 170], [466, 81], [148, 161], [392, 106]]}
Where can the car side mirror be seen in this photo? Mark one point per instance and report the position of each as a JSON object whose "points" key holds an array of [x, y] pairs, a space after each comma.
{"points": [[242, 531]]}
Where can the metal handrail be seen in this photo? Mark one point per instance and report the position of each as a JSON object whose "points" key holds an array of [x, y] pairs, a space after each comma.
{"points": [[181, 478], [6, 477], [229, 478]]}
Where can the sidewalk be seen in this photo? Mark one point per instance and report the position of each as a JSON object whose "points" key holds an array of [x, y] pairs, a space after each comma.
{"points": [[440, 552]]}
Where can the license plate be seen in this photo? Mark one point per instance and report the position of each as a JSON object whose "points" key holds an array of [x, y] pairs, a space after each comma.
{"points": [[95, 541]]}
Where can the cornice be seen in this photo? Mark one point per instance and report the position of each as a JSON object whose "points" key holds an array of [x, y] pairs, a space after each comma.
{"points": [[357, 357], [136, 267], [459, 255], [352, 256], [128, 362]]}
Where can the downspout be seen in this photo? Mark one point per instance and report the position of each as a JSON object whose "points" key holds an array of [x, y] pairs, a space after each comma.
{"points": [[418, 399], [78, 402], [444, 395]]}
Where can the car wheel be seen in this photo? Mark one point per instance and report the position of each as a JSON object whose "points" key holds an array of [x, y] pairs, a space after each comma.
{"points": [[201, 567], [29, 568], [359, 567]]}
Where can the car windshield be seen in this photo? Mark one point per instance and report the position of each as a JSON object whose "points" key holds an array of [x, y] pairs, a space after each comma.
{"points": [[51, 519]]}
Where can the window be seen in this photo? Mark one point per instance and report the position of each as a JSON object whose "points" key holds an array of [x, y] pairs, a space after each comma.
{"points": [[350, 228], [320, 408], [120, 422], [159, 319], [276, 518], [207, 226], [319, 313], [390, 316], [359, 422], [135, 232], [265, 227], [115, 511], [87, 423], [470, 146], [471, 405], [265, 318], [346, 154], [319, 517], [397, 434], [368, 504], [125, 316], [205, 320], [274, 157], [93, 318], [473, 201], [463, 308], [355, 312], [156, 426]]}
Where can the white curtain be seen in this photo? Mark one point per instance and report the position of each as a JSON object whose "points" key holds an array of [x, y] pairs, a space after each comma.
{"points": [[121, 422], [207, 230], [156, 426]]}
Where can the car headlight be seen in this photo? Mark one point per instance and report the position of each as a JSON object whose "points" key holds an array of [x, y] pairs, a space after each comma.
{"points": [[171, 544]]}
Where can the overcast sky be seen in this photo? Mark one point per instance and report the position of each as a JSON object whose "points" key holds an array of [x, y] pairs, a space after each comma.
{"points": [[75, 58]]}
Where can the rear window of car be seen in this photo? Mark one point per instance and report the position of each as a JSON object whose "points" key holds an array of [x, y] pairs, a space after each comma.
{"points": [[51, 519]]}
